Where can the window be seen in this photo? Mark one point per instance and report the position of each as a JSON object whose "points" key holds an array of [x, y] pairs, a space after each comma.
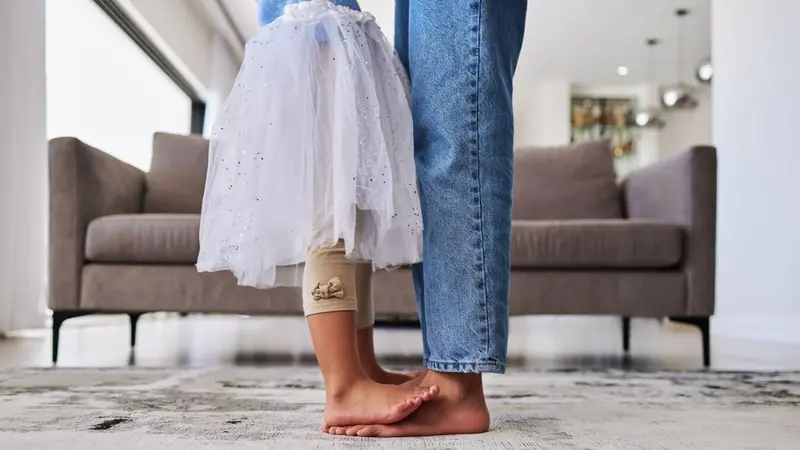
{"points": [[103, 89]]}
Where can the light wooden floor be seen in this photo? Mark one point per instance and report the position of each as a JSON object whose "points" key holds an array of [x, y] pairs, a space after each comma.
{"points": [[167, 340]]}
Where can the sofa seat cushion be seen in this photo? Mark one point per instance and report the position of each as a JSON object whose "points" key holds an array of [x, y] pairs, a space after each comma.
{"points": [[595, 244], [144, 238]]}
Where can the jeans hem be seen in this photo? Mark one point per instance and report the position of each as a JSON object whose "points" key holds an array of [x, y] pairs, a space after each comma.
{"points": [[466, 367]]}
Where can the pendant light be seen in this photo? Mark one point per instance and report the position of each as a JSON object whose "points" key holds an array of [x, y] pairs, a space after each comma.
{"points": [[705, 72], [649, 117], [679, 95]]}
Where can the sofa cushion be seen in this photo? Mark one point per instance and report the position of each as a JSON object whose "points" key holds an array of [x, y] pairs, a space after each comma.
{"points": [[618, 292], [144, 238], [573, 182], [595, 244], [177, 174], [147, 287]]}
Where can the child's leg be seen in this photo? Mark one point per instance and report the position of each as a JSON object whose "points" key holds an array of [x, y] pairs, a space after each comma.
{"points": [[329, 302], [366, 307], [366, 321]]}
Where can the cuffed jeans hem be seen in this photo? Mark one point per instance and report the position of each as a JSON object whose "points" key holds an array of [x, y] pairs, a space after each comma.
{"points": [[466, 367]]}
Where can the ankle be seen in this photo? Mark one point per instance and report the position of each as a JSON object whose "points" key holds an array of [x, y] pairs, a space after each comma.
{"points": [[340, 390], [372, 369], [460, 386]]}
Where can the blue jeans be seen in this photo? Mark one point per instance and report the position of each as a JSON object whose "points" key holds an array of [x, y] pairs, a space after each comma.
{"points": [[461, 56]]}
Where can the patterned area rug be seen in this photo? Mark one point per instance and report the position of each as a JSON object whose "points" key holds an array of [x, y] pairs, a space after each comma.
{"points": [[255, 408]]}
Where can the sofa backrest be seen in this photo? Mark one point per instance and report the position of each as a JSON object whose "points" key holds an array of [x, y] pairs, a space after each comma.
{"points": [[177, 174], [571, 182], [550, 183]]}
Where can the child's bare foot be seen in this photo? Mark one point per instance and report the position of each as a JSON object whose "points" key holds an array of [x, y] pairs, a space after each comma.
{"points": [[459, 409], [370, 364], [374, 403], [413, 379]]}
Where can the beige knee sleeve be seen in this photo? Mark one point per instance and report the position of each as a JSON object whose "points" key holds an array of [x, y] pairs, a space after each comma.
{"points": [[332, 283]]}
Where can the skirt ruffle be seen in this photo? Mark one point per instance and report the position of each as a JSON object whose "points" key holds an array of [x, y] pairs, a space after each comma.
{"points": [[314, 145]]}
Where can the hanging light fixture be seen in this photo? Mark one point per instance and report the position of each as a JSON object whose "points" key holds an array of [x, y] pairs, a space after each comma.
{"points": [[649, 117], [705, 71], [679, 95]]}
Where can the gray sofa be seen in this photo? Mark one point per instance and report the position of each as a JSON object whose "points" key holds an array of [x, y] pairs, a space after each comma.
{"points": [[125, 241]]}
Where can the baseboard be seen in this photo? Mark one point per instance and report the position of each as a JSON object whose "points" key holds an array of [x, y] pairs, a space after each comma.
{"points": [[785, 330]]}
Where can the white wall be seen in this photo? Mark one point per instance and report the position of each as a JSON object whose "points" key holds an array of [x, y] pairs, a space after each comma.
{"points": [[755, 95], [23, 164], [686, 128], [542, 113]]}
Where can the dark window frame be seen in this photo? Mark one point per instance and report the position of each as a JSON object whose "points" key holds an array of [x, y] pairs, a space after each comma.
{"points": [[140, 38]]}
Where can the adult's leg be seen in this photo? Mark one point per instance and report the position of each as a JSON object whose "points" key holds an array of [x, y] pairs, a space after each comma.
{"points": [[402, 45], [329, 301], [461, 58]]}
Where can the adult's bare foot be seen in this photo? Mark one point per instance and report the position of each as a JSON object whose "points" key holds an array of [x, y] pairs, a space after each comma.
{"points": [[386, 377], [460, 408], [370, 402]]}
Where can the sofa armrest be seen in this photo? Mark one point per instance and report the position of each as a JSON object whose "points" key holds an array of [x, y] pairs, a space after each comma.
{"points": [[85, 183], [683, 190]]}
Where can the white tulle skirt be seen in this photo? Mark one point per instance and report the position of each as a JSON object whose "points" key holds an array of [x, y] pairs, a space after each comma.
{"points": [[314, 145]]}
